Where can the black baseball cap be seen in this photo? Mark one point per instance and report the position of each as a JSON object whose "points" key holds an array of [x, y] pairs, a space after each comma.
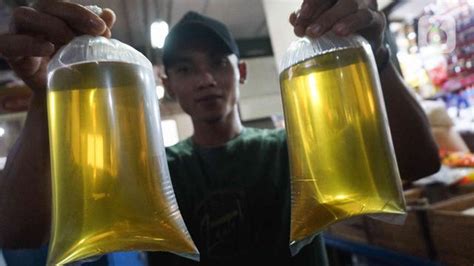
{"points": [[194, 25]]}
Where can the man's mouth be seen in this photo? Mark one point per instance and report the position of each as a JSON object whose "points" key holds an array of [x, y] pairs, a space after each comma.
{"points": [[208, 98]]}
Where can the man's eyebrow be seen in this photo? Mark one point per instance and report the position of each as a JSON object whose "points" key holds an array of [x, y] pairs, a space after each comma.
{"points": [[181, 59], [219, 55]]}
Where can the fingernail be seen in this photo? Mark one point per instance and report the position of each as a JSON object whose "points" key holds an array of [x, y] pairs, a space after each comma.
{"points": [[315, 30], [340, 28], [97, 25]]}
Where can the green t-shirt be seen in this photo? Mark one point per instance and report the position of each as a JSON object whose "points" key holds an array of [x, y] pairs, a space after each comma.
{"points": [[235, 201]]}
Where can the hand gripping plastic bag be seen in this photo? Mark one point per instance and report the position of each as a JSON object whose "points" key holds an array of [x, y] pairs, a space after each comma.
{"points": [[341, 155], [111, 183]]}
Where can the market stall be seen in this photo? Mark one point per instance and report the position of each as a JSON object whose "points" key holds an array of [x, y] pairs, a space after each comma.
{"points": [[435, 52]]}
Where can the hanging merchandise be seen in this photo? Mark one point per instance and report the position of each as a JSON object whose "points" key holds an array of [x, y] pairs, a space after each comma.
{"points": [[111, 183], [341, 155]]}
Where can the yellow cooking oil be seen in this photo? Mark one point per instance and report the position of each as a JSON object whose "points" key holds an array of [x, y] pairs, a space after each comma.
{"points": [[341, 156], [106, 168]]}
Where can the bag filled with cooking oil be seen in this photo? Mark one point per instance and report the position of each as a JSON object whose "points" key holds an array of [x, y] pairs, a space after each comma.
{"points": [[341, 156], [111, 184]]}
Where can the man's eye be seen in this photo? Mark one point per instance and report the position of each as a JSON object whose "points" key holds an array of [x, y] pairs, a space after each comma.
{"points": [[183, 69], [221, 62]]}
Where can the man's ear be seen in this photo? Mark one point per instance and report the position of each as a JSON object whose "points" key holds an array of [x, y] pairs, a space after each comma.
{"points": [[243, 72], [166, 85]]}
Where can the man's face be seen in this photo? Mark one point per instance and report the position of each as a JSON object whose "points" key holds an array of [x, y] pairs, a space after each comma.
{"points": [[204, 79]]}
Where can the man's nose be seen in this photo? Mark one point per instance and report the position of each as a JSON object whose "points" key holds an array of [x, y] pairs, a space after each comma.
{"points": [[206, 78]]}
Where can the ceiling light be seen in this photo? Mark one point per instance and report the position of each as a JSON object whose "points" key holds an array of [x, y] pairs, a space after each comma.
{"points": [[158, 32]]}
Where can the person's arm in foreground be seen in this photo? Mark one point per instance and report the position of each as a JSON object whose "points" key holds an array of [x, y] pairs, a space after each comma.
{"points": [[25, 183], [415, 148]]}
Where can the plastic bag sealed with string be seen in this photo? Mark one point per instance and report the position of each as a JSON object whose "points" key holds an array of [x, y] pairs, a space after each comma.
{"points": [[341, 155], [111, 183]]}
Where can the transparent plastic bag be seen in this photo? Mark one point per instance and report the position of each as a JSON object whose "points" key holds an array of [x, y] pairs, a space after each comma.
{"points": [[341, 155], [111, 184]]}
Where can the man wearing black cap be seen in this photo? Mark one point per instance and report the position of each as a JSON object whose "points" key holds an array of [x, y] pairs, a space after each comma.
{"points": [[231, 183]]}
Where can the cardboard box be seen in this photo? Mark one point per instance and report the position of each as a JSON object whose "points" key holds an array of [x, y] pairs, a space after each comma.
{"points": [[409, 238], [362, 229], [354, 229], [413, 195], [452, 231], [412, 237]]}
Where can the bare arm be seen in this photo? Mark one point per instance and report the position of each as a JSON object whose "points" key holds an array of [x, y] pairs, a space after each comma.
{"points": [[25, 184], [25, 189], [415, 148]]}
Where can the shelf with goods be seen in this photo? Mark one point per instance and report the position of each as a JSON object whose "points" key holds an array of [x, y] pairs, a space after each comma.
{"points": [[437, 73], [459, 63], [436, 48]]}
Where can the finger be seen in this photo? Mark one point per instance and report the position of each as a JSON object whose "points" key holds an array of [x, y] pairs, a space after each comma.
{"points": [[310, 10], [28, 20], [363, 19], [292, 18], [354, 23], [108, 16], [307, 8], [75, 16], [297, 29], [327, 20], [32, 70], [24, 45], [25, 66]]}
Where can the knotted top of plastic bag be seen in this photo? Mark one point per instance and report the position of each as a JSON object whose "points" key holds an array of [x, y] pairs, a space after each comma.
{"points": [[88, 48], [305, 48]]}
